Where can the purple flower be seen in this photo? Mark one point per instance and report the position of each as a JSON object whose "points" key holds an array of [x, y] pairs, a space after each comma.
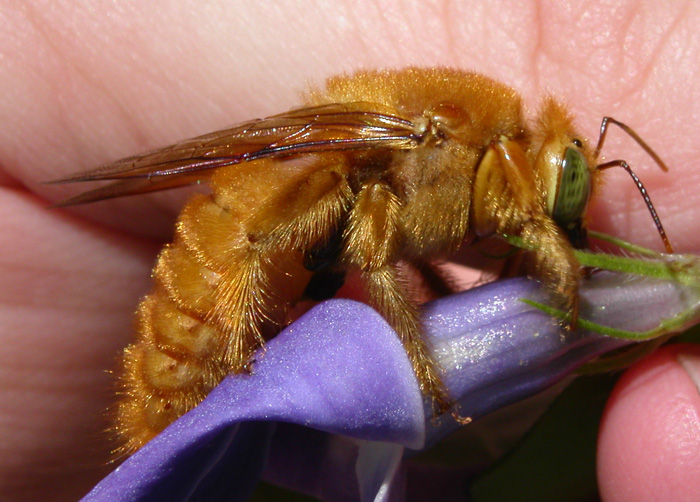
{"points": [[333, 406]]}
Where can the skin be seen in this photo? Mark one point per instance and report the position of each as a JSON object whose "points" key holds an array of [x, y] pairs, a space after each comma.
{"points": [[83, 83], [660, 452]]}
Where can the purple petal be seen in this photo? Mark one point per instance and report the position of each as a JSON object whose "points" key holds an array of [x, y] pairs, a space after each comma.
{"points": [[340, 369], [497, 350]]}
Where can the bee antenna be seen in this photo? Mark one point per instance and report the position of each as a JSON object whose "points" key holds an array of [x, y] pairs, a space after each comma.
{"points": [[626, 167], [634, 135]]}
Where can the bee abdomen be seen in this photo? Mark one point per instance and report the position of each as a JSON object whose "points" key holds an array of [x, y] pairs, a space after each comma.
{"points": [[175, 361], [222, 288], [173, 364]]}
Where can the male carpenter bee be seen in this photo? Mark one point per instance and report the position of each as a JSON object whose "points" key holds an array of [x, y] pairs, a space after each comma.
{"points": [[380, 167]]}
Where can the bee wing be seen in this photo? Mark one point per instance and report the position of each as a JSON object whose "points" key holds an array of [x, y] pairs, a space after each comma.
{"points": [[129, 186], [332, 127]]}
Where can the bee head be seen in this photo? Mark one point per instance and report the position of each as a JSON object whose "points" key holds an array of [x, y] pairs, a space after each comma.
{"points": [[563, 170]]}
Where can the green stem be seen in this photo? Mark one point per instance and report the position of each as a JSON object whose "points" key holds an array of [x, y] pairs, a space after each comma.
{"points": [[675, 324], [627, 246], [681, 269]]}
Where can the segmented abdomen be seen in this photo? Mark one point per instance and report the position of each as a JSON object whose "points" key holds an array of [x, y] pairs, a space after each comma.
{"points": [[223, 287]]}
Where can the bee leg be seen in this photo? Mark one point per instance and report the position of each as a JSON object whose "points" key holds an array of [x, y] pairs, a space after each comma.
{"points": [[387, 295], [272, 271], [372, 241], [555, 263], [506, 201]]}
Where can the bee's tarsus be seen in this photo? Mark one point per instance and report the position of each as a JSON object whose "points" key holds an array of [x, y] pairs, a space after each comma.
{"points": [[461, 420]]}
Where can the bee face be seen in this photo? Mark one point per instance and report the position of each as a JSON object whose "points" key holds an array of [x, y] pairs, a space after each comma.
{"points": [[565, 171]]}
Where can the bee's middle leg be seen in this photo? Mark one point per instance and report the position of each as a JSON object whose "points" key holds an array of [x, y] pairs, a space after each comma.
{"points": [[372, 242]]}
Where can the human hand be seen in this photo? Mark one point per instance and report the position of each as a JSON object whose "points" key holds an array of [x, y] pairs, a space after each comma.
{"points": [[86, 84]]}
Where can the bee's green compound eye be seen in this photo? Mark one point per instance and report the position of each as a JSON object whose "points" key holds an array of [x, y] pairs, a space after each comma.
{"points": [[574, 188]]}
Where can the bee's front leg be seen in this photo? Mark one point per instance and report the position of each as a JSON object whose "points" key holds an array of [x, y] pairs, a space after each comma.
{"points": [[555, 263], [506, 201]]}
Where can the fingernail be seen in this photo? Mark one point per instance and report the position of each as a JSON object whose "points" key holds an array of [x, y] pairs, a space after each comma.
{"points": [[691, 364]]}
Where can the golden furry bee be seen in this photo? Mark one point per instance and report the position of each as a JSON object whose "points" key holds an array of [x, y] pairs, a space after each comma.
{"points": [[380, 167]]}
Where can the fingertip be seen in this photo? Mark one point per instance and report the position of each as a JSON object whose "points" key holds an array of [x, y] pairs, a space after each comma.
{"points": [[649, 439]]}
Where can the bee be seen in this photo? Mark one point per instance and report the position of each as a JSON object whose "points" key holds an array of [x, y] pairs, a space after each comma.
{"points": [[378, 168]]}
